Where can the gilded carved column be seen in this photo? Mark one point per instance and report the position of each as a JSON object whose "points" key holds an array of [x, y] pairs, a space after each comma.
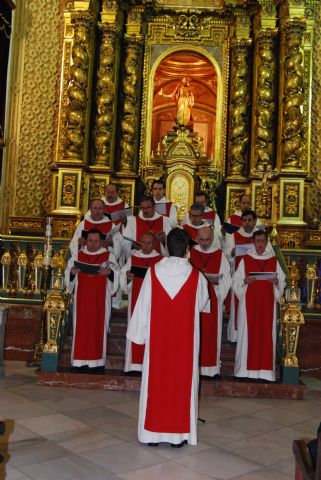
{"points": [[265, 103], [77, 92], [105, 98], [107, 84], [293, 96], [239, 111], [131, 98]]}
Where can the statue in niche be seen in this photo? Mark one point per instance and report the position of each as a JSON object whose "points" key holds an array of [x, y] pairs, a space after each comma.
{"points": [[183, 94]]}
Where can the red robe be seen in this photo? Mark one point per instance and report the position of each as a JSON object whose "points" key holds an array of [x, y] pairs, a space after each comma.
{"points": [[171, 344], [210, 215], [114, 208], [103, 227], [208, 263], [192, 231], [236, 220], [136, 349], [90, 306], [259, 313], [143, 226]]}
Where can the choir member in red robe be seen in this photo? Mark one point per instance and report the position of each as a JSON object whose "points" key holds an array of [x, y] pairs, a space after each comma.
{"points": [[131, 281], [244, 204], [158, 192], [210, 215], [258, 295], [195, 221], [166, 319], [211, 261], [112, 202], [243, 237], [99, 221], [92, 301], [147, 220]]}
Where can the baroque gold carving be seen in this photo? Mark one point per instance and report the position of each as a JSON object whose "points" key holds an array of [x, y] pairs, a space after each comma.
{"points": [[239, 108], [129, 122], [105, 97], [315, 196], [35, 139], [291, 200], [69, 190], [265, 104], [293, 132], [77, 88]]}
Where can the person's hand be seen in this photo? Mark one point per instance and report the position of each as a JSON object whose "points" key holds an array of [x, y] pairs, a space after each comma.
{"points": [[74, 270], [129, 275], [214, 281], [104, 271], [233, 252], [249, 280], [123, 220], [274, 281], [161, 236]]}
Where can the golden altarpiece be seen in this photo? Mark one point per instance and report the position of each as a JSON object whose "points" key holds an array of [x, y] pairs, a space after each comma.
{"points": [[218, 95], [97, 88]]}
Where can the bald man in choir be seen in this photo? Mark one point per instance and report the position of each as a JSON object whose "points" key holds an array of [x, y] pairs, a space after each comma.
{"points": [[147, 220], [92, 275], [131, 280], [258, 283], [97, 220], [195, 221], [212, 262], [166, 319]]}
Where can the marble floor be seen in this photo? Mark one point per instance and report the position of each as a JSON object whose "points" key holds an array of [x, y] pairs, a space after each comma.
{"points": [[89, 434]]}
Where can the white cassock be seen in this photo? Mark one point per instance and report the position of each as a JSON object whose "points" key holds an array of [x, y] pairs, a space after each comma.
{"points": [[86, 332], [99, 224], [127, 287], [229, 245], [172, 216], [172, 274], [130, 231], [221, 290], [263, 326]]}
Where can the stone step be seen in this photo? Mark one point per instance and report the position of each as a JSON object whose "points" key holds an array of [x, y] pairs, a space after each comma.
{"points": [[115, 380]]}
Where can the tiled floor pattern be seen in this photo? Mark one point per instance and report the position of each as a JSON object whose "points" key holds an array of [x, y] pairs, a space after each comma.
{"points": [[91, 435]]}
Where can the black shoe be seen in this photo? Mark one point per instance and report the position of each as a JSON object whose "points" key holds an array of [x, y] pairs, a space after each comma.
{"points": [[179, 445], [217, 377], [153, 444]]}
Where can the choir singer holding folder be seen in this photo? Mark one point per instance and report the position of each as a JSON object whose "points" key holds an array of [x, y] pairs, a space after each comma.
{"points": [[258, 283], [131, 280], [92, 275]]}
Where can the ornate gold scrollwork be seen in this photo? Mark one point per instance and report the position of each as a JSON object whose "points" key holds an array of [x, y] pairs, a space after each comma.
{"points": [[293, 131], [77, 88], [265, 103], [292, 318], [105, 97], [56, 303], [129, 122], [239, 111]]}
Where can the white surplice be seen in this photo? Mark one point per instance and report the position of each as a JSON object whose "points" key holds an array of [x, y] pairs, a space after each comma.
{"points": [[130, 231], [112, 287], [221, 291], [172, 272], [240, 289], [127, 288]]}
